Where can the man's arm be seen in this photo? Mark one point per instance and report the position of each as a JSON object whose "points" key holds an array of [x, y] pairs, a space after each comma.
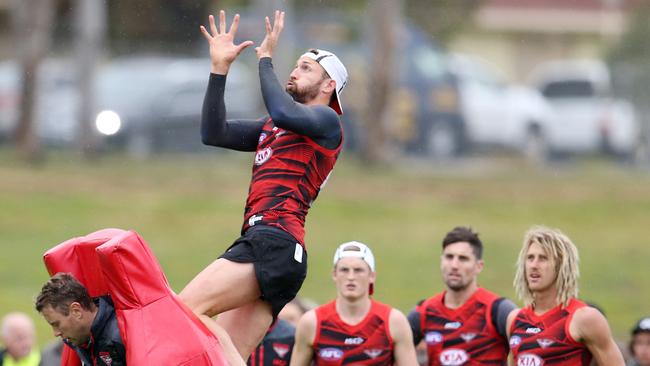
{"points": [[302, 353], [216, 131], [414, 322], [590, 327], [509, 322], [501, 311], [318, 122], [321, 123], [400, 331]]}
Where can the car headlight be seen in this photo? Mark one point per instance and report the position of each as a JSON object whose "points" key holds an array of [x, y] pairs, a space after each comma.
{"points": [[108, 122]]}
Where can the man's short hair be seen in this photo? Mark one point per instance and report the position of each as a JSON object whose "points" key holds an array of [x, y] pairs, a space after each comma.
{"points": [[62, 290], [464, 234]]}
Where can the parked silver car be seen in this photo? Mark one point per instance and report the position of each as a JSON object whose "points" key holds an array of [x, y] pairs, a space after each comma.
{"points": [[589, 118], [158, 100], [142, 103]]}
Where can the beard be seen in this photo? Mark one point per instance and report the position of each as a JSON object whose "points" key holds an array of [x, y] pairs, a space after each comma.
{"points": [[456, 285], [303, 95]]}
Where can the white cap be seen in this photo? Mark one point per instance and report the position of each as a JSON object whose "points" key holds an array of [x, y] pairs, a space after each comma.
{"points": [[335, 69], [355, 249]]}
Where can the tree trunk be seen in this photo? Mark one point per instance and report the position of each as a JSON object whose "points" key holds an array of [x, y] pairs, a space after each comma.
{"points": [[32, 32], [90, 34], [383, 35]]}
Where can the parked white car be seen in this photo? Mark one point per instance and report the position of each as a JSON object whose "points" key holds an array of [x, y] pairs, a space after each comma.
{"points": [[588, 117], [497, 113]]}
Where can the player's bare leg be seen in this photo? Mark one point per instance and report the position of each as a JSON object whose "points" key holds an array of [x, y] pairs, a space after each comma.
{"points": [[222, 286], [247, 325]]}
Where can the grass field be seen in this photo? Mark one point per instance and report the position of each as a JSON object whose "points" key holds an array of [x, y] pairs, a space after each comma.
{"points": [[189, 209]]}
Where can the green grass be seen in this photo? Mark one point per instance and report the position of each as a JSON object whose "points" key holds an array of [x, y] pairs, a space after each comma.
{"points": [[189, 209]]}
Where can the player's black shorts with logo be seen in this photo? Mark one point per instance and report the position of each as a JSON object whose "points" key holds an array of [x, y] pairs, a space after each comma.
{"points": [[280, 262]]}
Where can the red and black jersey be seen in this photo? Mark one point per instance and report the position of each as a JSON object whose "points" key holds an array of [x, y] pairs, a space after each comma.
{"points": [[545, 339], [276, 347], [366, 343], [288, 172], [462, 336]]}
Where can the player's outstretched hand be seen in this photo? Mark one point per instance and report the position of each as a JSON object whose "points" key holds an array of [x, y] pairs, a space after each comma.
{"points": [[223, 50], [272, 35]]}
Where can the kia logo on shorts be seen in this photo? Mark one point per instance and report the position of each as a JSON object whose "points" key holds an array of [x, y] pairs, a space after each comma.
{"points": [[529, 359], [453, 357], [330, 354]]}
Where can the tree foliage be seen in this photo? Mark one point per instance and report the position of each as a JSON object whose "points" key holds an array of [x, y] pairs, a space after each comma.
{"points": [[176, 22], [168, 25], [630, 60], [441, 18], [634, 46]]}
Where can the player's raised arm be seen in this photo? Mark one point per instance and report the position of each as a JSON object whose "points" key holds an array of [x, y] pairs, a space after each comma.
{"points": [[215, 129]]}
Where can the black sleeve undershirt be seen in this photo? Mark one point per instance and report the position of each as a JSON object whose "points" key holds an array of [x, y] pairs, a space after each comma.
{"points": [[319, 122], [239, 135], [500, 311], [414, 321]]}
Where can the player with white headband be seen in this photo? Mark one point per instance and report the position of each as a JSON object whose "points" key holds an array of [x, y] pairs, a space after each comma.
{"points": [[353, 329], [296, 146]]}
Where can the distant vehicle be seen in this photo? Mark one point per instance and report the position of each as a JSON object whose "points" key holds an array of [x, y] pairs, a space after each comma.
{"points": [[427, 120], [56, 101], [142, 103], [497, 113], [150, 104], [588, 117]]}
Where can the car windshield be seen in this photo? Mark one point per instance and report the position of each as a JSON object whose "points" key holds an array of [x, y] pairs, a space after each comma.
{"points": [[123, 85], [569, 89]]}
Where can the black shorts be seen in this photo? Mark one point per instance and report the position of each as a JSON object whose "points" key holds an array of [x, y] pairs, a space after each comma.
{"points": [[280, 263]]}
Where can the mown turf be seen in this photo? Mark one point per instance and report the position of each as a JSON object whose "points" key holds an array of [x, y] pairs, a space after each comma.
{"points": [[189, 209]]}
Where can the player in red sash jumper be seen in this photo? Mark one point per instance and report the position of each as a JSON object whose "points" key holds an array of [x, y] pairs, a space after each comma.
{"points": [[555, 328], [296, 147], [353, 329], [465, 324]]}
